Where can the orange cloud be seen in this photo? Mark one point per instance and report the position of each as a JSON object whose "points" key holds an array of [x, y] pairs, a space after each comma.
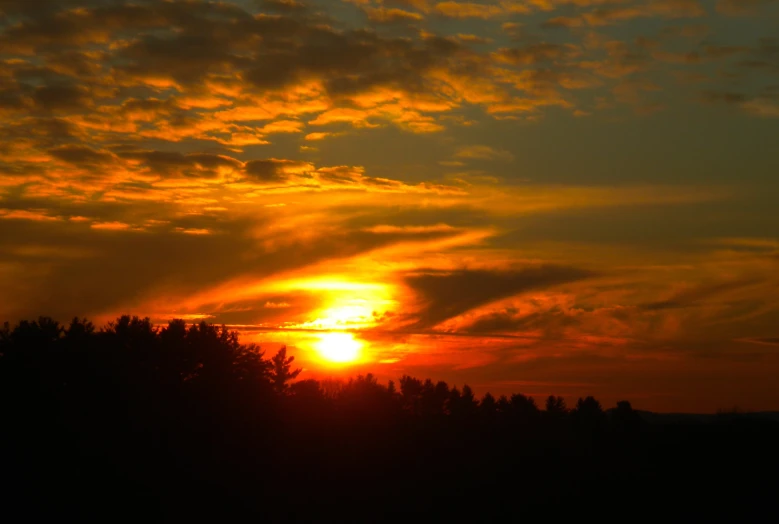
{"points": [[110, 226], [391, 15]]}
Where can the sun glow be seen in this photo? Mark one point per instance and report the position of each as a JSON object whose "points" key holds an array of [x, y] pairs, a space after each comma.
{"points": [[338, 347], [350, 309], [352, 316]]}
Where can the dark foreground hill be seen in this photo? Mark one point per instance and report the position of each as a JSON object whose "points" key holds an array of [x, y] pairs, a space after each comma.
{"points": [[186, 423]]}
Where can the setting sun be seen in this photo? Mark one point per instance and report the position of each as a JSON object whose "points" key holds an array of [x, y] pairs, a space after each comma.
{"points": [[338, 347]]}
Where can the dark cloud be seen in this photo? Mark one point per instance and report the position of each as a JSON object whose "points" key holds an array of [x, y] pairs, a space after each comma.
{"points": [[697, 296], [173, 163], [81, 155], [63, 98], [538, 53], [211, 161], [350, 62], [447, 294], [724, 97], [186, 58], [771, 341], [719, 51], [284, 6], [118, 268], [512, 320], [562, 22], [741, 7], [46, 132], [270, 52], [391, 16], [275, 170]]}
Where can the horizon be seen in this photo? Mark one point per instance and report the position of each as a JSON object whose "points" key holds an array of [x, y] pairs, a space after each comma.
{"points": [[542, 197], [327, 372]]}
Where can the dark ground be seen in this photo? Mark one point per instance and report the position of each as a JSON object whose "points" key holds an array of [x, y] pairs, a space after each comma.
{"points": [[185, 423]]}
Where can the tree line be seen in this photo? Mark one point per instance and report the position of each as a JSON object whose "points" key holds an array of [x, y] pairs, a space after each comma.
{"points": [[204, 355], [187, 420]]}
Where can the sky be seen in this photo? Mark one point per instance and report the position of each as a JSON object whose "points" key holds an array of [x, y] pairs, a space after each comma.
{"points": [[570, 197]]}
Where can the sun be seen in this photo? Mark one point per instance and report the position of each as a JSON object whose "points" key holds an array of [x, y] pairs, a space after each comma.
{"points": [[338, 347]]}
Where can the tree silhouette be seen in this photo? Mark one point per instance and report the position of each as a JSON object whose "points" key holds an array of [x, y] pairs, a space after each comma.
{"points": [[503, 405], [588, 407], [282, 372], [411, 394], [523, 408], [463, 404], [555, 405], [625, 418], [488, 406]]}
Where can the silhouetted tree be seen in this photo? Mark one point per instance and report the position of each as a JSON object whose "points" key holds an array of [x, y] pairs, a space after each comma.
{"points": [[555, 405], [36, 337], [523, 408], [625, 417], [588, 414], [488, 405], [331, 387], [411, 394], [308, 389], [462, 404], [308, 399], [588, 407], [433, 398], [79, 330], [282, 371], [363, 398], [503, 405]]}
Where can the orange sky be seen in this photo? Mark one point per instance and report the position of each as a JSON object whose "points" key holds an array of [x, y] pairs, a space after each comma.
{"points": [[567, 197]]}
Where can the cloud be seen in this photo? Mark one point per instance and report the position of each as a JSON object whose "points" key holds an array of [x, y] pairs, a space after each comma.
{"points": [[761, 106], [444, 295], [473, 10], [695, 296], [317, 136], [82, 155], [766, 341], [283, 126], [741, 7], [483, 152], [563, 21], [512, 321], [767, 108], [726, 97], [389, 229], [111, 226], [275, 170], [193, 231], [285, 6], [537, 53], [62, 98], [276, 305], [175, 164], [654, 8], [235, 76], [27, 214], [385, 15]]}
